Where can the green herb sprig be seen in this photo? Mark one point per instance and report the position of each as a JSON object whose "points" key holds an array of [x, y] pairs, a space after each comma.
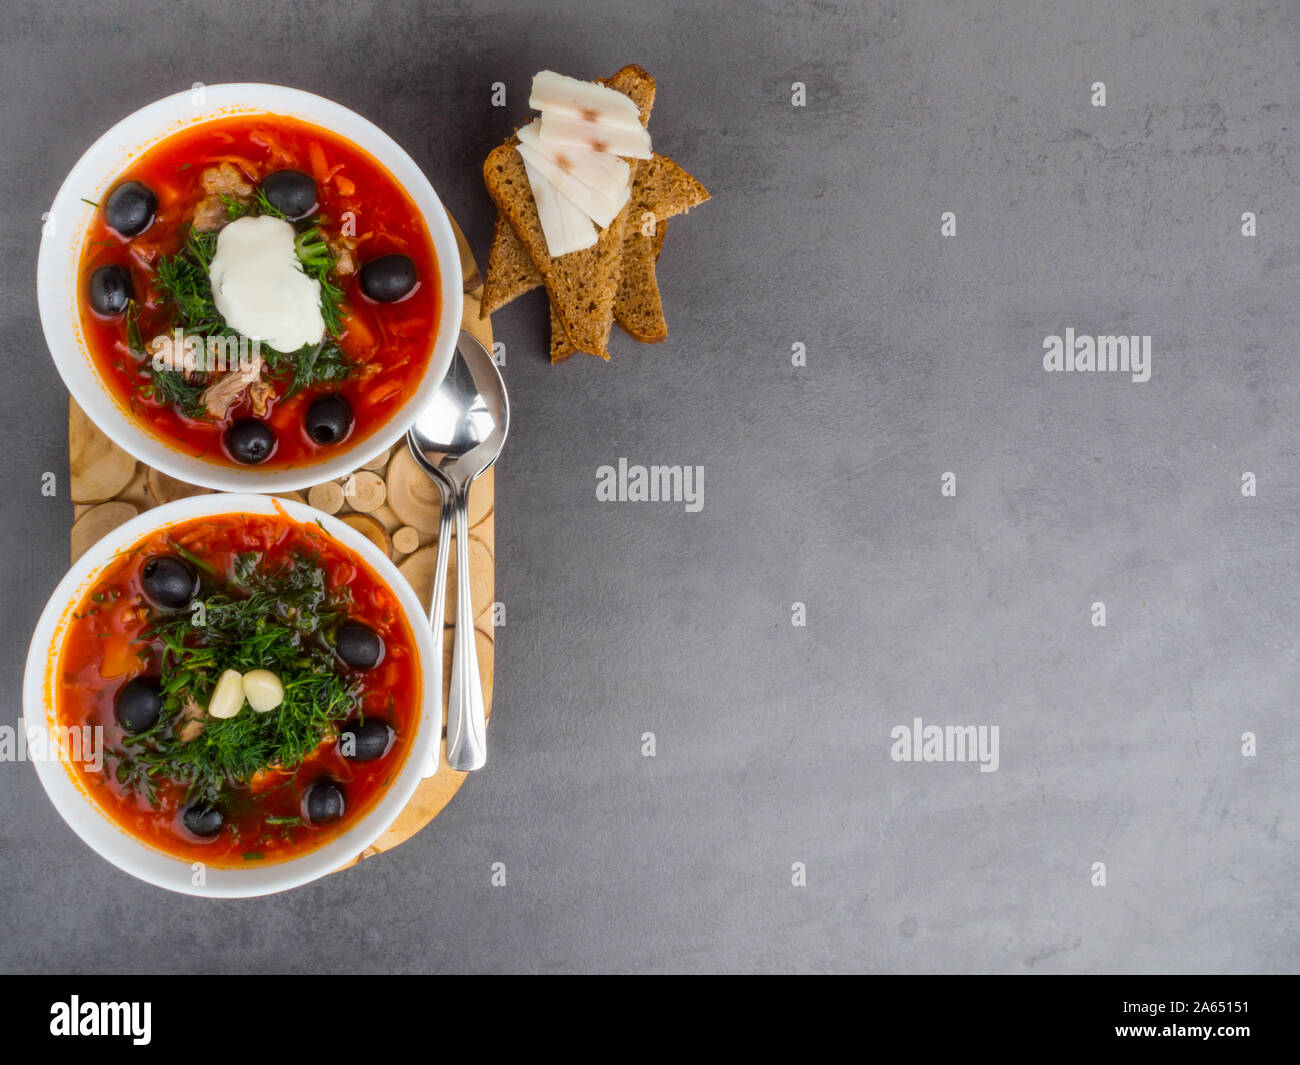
{"points": [[317, 262], [282, 621]]}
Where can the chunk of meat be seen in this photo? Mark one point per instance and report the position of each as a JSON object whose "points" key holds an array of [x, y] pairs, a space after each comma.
{"points": [[226, 179], [221, 183], [227, 389], [191, 730], [194, 724], [343, 249], [223, 393], [260, 393], [210, 214]]}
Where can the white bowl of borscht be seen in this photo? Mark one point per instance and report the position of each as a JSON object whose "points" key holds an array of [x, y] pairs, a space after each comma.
{"points": [[249, 287], [232, 695]]}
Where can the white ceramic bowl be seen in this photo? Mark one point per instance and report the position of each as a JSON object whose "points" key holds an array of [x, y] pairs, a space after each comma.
{"points": [[70, 218], [139, 859]]}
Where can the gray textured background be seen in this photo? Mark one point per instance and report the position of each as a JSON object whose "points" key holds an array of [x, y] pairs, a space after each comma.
{"points": [[822, 486]]}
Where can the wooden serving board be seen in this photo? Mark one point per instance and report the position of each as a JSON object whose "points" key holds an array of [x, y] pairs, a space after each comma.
{"points": [[389, 500]]}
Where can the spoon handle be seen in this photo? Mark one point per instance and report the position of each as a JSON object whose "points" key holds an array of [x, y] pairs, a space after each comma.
{"points": [[438, 606], [466, 719]]}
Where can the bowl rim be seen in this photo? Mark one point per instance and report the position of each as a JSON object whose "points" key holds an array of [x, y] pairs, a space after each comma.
{"points": [[101, 165], [148, 863]]}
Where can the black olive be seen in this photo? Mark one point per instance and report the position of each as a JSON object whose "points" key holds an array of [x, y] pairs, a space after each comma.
{"points": [[359, 645], [365, 742], [250, 441], [388, 278], [168, 581], [291, 192], [203, 821], [328, 419], [139, 704], [110, 290], [324, 802], [130, 208]]}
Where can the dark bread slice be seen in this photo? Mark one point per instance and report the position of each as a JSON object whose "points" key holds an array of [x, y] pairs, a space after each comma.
{"points": [[663, 188], [637, 306], [581, 285], [561, 349], [507, 184], [640, 305], [589, 330], [510, 270], [582, 293]]}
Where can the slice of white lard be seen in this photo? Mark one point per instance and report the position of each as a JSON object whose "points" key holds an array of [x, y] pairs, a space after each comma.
{"points": [[259, 286]]}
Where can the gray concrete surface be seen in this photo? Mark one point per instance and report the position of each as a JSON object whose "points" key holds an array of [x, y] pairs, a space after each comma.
{"points": [[1119, 744]]}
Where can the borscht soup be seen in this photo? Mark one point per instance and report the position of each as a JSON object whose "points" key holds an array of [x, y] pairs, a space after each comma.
{"points": [[255, 684], [259, 291]]}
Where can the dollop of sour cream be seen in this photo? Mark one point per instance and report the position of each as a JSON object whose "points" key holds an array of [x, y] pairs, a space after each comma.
{"points": [[259, 285]]}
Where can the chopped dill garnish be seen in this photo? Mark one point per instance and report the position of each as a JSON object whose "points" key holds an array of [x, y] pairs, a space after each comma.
{"points": [[317, 262], [282, 621], [172, 388], [206, 567], [312, 364], [183, 281], [133, 339], [258, 206]]}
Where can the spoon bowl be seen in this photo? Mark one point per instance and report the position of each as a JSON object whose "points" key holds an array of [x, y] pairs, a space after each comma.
{"points": [[461, 430]]}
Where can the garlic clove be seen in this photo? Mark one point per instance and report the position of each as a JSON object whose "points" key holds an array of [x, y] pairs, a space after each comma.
{"points": [[263, 690], [228, 696]]}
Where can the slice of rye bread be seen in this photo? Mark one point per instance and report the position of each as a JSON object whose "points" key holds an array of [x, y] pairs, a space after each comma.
{"points": [[637, 306], [561, 349], [510, 269], [663, 188], [581, 285], [590, 332]]}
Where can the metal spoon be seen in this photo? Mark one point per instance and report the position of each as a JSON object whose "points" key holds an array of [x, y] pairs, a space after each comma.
{"points": [[457, 436]]}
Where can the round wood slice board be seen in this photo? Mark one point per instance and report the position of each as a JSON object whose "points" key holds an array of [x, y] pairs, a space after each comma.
{"points": [[109, 488]]}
